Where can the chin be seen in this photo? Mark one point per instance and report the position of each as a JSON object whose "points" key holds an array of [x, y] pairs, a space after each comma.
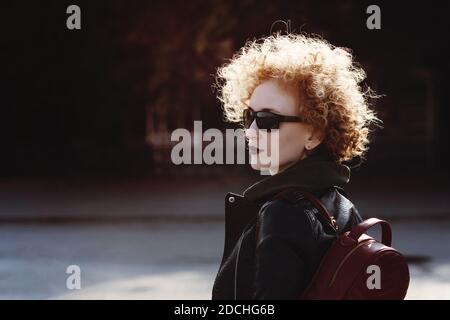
{"points": [[256, 166], [264, 169]]}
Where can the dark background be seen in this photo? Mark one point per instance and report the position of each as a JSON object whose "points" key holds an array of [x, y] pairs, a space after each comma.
{"points": [[85, 123], [90, 102]]}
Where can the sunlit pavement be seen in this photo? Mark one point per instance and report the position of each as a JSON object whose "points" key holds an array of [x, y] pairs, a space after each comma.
{"points": [[166, 261]]}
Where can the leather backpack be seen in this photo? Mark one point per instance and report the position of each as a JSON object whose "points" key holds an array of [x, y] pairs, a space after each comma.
{"points": [[357, 266]]}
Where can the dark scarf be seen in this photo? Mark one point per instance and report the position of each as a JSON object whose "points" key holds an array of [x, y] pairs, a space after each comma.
{"points": [[315, 174]]}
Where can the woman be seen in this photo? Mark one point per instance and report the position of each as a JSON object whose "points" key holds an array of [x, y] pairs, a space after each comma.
{"points": [[310, 91]]}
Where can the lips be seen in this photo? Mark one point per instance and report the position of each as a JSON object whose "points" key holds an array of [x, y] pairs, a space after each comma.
{"points": [[254, 149]]}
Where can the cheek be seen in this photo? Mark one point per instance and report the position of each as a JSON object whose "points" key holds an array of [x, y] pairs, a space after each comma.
{"points": [[291, 143]]}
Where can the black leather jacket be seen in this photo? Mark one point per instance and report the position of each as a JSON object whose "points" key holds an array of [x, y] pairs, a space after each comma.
{"points": [[274, 244]]}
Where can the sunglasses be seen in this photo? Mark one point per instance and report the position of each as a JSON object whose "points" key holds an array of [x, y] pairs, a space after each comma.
{"points": [[266, 120]]}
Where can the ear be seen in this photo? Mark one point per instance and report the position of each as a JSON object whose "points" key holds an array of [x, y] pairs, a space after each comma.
{"points": [[313, 138]]}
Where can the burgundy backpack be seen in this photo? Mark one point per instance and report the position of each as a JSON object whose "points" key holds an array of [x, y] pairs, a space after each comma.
{"points": [[357, 266]]}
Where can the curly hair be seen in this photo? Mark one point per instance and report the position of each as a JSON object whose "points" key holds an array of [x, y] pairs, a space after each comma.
{"points": [[326, 77]]}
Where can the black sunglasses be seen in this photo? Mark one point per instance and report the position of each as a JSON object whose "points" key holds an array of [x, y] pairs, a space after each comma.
{"points": [[266, 120]]}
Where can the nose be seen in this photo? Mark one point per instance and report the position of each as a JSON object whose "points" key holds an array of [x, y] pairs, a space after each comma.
{"points": [[252, 132]]}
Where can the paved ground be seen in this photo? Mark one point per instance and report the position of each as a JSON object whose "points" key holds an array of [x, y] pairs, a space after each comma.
{"points": [[143, 239], [165, 261]]}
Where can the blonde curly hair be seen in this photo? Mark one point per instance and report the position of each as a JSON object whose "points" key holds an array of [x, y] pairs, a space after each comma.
{"points": [[326, 76]]}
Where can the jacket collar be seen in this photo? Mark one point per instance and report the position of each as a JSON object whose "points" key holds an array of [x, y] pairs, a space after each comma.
{"points": [[315, 174]]}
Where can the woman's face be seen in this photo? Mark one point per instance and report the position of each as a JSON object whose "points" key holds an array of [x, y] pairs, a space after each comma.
{"points": [[293, 137]]}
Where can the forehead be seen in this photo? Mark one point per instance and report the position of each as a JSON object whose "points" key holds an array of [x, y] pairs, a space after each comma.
{"points": [[272, 94]]}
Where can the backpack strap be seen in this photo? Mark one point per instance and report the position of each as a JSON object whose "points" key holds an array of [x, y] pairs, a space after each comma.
{"points": [[325, 213], [295, 195], [386, 233]]}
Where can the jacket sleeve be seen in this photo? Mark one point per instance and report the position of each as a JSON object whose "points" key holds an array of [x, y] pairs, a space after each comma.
{"points": [[284, 234]]}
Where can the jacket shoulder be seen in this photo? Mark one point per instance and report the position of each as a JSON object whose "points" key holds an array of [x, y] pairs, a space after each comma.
{"points": [[291, 206], [334, 199], [279, 217]]}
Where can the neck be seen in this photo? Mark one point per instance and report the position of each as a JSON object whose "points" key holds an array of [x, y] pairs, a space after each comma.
{"points": [[285, 166]]}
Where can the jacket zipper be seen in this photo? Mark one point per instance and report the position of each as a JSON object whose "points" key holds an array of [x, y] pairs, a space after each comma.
{"points": [[236, 266], [241, 238]]}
